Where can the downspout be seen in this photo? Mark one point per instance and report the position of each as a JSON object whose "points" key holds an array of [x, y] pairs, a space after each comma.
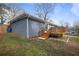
{"points": [[27, 28]]}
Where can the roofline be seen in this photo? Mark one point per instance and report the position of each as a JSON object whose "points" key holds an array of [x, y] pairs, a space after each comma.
{"points": [[24, 16]]}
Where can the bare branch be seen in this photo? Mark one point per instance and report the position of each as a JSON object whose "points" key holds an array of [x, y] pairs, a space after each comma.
{"points": [[43, 10]]}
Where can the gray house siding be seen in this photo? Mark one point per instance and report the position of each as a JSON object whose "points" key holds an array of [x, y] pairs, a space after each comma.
{"points": [[20, 27], [34, 28]]}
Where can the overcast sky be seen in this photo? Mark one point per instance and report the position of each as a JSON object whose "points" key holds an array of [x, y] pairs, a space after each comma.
{"points": [[63, 12]]}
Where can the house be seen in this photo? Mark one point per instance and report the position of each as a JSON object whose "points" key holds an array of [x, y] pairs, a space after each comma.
{"points": [[27, 25], [72, 31]]}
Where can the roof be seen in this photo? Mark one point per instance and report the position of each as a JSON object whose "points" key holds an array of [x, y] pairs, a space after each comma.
{"points": [[25, 16]]}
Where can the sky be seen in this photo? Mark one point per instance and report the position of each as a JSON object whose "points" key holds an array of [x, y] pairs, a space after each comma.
{"points": [[63, 12]]}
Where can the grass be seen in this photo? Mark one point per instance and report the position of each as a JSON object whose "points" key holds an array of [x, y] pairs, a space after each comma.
{"points": [[14, 45]]}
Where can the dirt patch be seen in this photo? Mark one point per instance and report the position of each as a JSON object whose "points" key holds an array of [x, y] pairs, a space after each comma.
{"points": [[69, 48]]}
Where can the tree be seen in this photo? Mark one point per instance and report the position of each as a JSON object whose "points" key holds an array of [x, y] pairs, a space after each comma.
{"points": [[2, 11], [43, 10], [15, 10], [1, 8], [76, 27], [12, 12], [65, 24]]}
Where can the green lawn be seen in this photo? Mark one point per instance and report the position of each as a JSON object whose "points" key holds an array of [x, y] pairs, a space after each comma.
{"points": [[12, 44]]}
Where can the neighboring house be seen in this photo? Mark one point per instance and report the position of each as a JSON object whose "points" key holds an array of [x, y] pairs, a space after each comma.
{"points": [[27, 25], [72, 31]]}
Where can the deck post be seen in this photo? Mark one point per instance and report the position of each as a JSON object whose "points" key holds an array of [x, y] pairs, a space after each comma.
{"points": [[27, 28]]}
